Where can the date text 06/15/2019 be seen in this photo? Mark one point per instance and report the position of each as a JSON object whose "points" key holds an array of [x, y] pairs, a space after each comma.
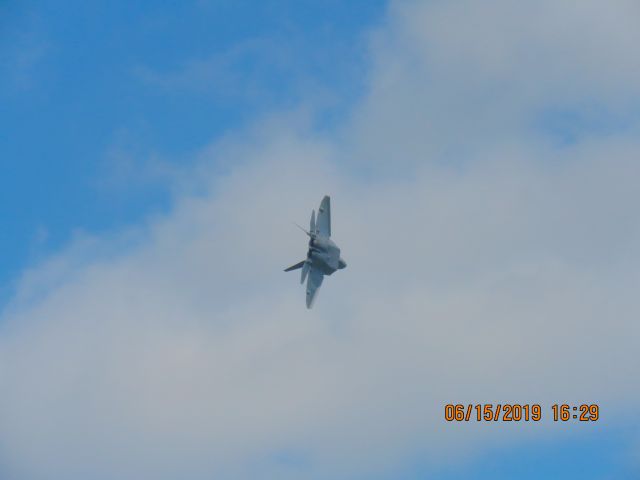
{"points": [[517, 412]]}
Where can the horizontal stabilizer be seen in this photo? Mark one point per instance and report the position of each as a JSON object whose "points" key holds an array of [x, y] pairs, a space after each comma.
{"points": [[295, 267]]}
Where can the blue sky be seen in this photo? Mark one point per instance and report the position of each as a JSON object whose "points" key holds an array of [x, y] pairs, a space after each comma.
{"points": [[75, 90], [478, 133], [595, 453]]}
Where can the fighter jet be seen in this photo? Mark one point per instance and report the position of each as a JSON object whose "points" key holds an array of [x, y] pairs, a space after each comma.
{"points": [[323, 257]]}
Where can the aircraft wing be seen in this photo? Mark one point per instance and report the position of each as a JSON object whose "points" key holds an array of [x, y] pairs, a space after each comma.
{"points": [[323, 222], [314, 280]]}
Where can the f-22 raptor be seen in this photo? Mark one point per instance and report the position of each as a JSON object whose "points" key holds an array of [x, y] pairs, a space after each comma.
{"points": [[323, 257]]}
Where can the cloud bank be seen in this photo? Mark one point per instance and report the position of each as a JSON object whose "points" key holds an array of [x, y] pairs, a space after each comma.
{"points": [[493, 256]]}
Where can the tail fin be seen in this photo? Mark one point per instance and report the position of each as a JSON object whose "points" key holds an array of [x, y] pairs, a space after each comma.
{"points": [[312, 222], [295, 267], [305, 270]]}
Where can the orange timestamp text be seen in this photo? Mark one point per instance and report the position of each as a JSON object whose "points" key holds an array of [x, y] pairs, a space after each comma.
{"points": [[516, 412]]}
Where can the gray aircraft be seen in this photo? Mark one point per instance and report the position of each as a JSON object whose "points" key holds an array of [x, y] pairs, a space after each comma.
{"points": [[323, 257]]}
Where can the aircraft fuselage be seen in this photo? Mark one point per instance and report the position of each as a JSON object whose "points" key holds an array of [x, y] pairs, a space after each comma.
{"points": [[325, 255]]}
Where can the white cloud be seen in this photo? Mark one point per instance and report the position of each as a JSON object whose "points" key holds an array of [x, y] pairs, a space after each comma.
{"points": [[494, 267], [451, 79]]}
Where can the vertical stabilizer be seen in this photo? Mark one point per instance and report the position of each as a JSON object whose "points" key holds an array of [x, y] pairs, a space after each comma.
{"points": [[305, 270], [312, 222]]}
